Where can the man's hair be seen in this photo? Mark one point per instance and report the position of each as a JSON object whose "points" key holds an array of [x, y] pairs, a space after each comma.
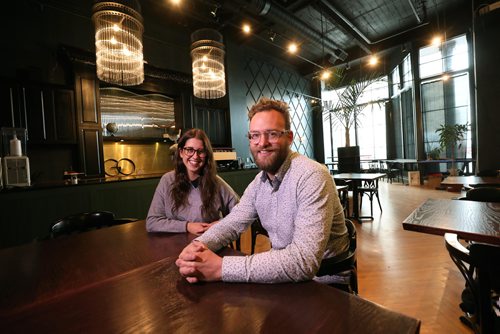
{"points": [[266, 104]]}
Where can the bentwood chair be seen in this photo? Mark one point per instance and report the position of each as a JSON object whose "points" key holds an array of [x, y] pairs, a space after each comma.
{"points": [[483, 194], [479, 266], [255, 230], [344, 266], [86, 221], [343, 191], [370, 189]]}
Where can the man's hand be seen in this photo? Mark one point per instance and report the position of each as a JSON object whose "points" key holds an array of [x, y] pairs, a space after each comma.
{"points": [[197, 263]]}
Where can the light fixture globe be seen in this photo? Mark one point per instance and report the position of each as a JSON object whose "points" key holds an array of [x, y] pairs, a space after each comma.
{"points": [[118, 41], [207, 55]]}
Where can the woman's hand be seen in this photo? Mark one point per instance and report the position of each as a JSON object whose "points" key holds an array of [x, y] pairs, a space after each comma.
{"points": [[197, 228]]}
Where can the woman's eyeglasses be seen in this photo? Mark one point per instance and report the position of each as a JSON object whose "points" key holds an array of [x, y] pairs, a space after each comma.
{"points": [[272, 136], [189, 151]]}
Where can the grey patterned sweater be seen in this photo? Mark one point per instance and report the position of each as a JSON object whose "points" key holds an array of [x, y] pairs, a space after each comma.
{"points": [[160, 217]]}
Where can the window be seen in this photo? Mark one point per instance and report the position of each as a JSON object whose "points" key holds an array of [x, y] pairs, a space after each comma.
{"points": [[445, 92]]}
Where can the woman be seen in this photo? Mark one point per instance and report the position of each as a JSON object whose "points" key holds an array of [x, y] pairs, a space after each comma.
{"points": [[192, 196]]}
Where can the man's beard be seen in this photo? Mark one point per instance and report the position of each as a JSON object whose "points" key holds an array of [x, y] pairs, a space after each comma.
{"points": [[272, 163]]}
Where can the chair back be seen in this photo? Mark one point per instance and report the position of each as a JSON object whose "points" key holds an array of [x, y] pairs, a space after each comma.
{"points": [[480, 267], [486, 260], [342, 263], [483, 194], [81, 222], [351, 231]]}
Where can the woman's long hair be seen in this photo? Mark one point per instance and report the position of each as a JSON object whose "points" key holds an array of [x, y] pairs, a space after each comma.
{"points": [[207, 181]]}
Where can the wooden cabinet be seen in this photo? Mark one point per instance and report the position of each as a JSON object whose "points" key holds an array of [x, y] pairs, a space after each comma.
{"points": [[89, 123], [50, 114], [215, 122], [46, 111], [11, 105]]}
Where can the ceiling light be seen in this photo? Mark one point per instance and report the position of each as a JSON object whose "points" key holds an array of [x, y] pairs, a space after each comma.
{"points": [[292, 48], [175, 2], [207, 55], [246, 28], [325, 75], [436, 40], [272, 35], [373, 60], [214, 11], [118, 41]]}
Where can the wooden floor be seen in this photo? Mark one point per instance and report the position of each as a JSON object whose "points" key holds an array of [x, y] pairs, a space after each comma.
{"points": [[405, 271]]}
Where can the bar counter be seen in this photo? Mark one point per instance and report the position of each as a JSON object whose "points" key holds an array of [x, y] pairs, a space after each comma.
{"points": [[122, 279]]}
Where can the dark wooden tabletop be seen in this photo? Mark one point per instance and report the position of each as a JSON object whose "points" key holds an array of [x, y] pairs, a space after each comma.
{"points": [[474, 221], [122, 279]]}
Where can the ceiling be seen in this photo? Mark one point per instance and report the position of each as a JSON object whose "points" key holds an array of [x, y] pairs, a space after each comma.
{"points": [[329, 32]]}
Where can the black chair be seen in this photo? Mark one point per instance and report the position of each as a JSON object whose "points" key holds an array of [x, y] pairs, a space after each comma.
{"points": [[488, 172], [86, 221], [343, 188], [370, 189], [483, 194], [479, 266], [344, 265], [390, 172], [255, 230]]}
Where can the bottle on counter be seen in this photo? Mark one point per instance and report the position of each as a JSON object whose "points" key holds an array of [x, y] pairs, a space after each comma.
{"points": [[15, 147]]}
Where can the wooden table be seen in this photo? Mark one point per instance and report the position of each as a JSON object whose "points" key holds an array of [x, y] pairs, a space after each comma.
{"points": [[474, 221], [471, 181], [356, 179], [121, 279]]}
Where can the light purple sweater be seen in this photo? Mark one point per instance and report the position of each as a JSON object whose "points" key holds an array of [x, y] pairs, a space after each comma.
{"points": [[160, 217]]}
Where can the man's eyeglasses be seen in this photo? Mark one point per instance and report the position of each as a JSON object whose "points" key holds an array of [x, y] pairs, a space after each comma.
{"points": [[189, 151], [271, 135]]}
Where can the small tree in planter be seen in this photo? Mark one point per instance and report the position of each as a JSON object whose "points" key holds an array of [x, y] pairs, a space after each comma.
{"points": [[346, 111], [449, 136]]}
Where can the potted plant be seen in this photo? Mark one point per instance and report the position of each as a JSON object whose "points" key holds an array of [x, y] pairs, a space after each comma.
{"points": [[347, 110], [449, 136], [433, 154], [345, 113]]}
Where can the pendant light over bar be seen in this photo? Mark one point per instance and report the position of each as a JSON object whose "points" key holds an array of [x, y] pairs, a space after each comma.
{"points": [[118, 41], [207, 55]]}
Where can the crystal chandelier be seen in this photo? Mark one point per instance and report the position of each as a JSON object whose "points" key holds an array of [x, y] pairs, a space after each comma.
{"points": [[207, 55], [118, 41]]}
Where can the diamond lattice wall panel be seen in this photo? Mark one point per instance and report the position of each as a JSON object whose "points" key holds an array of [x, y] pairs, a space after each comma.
{"points": [[265, 79]]}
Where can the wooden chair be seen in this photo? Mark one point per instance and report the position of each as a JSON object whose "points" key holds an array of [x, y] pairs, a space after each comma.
{"points": [[86, 221], [370, 189], [390, 172], [255, 230], [343, 188], [343, 264], [480, 267], [483, 194]]}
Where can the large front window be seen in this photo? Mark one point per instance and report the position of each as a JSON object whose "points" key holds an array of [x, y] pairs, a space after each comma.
{"points": [[445, 93]]}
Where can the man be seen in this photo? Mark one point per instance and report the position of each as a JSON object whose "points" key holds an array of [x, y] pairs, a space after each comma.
{"points": [[296, 201]]}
